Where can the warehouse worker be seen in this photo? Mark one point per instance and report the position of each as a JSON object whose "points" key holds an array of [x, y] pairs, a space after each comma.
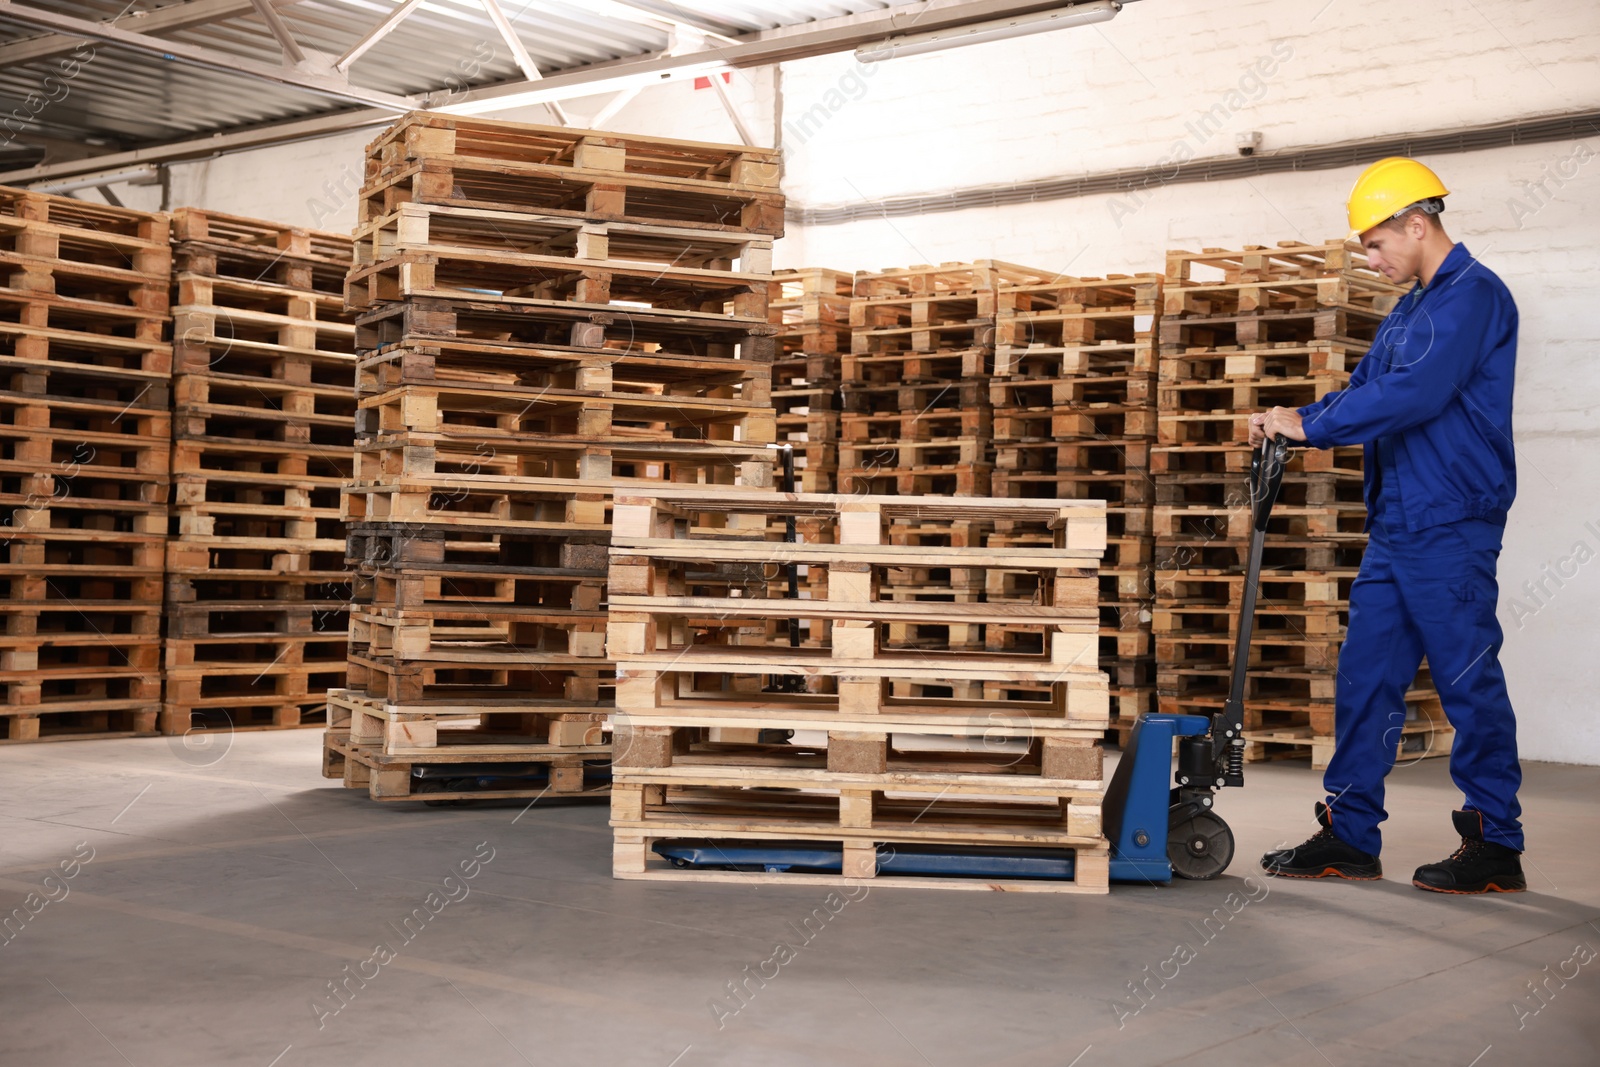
{"points": [[1431, 402]]}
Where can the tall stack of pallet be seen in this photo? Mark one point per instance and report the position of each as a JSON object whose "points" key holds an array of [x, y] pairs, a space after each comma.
{"points": [[546, 314], [811, 307], [917, 420], [83, 479], [871, 777], [264, 422], [1242, 331], [1074, 396]]}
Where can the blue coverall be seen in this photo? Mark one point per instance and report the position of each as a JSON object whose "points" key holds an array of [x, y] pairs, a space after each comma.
{"points": [[1432, 404]]}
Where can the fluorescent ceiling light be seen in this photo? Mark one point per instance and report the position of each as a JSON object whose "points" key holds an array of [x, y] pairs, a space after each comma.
{"points": [[998, 30]]}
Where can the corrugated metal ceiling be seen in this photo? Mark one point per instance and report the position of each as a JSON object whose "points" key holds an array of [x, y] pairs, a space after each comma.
{"points": [[122, 99]]}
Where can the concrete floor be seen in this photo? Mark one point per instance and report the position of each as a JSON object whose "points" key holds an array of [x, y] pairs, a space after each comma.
{"points": [[227, 888]]}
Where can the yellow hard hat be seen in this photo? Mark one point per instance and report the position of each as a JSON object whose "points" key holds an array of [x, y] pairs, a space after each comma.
{"points": [[1387, 188]]}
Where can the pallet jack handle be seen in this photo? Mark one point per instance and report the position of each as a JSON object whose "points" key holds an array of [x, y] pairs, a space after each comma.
{"points": [[1266, 478]]}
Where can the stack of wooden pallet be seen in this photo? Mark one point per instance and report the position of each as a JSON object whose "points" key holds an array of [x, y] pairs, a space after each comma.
{"points": [[545, 314], [917, 420], [264, 369], [867, 774], [83, 481], [1243, 331], [812, 309], [1074, 417], [917, 417]]}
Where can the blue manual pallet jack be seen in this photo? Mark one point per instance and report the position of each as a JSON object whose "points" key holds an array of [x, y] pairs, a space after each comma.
{"points": [[1156, 830]]}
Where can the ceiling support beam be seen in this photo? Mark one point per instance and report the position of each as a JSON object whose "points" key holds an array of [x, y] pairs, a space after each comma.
{"points": [[376, 34], [173, 17], [519, 52], [292, 56], [203, 147], [329, 85]]}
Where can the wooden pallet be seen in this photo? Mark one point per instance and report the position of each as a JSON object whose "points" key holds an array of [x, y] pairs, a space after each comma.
{"points": [[513, 415], [605, 330], [249, 696], [1232, 522], [915, 343], [544, 729], [807, 371], [811, 306], [1348, 326], [44, 315], [381, 549], [439, 249], [1203, 299], [633, 370], [928, 393], [1417, 741], [1076, 329], [1264, 361], [1285, 260], [1232, 459], [853, 787], [1084, 391], [92, 717], [1044, 453], [24, 209], [921, 310], [1298, 490], [208, 335], [982, 275], [430, 158], [258, 491], [427, 776], [1277, 588], [1075, 360], [145, 359], [1183, 404], [634, 858], [233, 235], [1131, 294], [209, 411]]}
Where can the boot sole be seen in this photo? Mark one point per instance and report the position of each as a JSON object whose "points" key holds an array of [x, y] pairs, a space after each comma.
{"points": [[1326, 872], [1489, 887]]}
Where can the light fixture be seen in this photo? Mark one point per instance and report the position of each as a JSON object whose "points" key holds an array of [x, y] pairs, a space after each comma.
{"points": [[997, 30]]}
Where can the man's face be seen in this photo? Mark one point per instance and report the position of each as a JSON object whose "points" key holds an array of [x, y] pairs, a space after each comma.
{"points": [[1396, 254]]}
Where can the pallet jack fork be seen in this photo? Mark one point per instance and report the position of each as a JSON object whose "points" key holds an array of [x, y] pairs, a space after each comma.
{"points": [[1156, 830]]}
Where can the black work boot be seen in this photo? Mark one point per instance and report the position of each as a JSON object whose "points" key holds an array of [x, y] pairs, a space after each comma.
{"points": [[1478, 866], [1323, 856]]}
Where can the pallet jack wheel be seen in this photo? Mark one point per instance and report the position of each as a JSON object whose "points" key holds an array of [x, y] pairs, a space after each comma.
{"points": [[1199, 846]]}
